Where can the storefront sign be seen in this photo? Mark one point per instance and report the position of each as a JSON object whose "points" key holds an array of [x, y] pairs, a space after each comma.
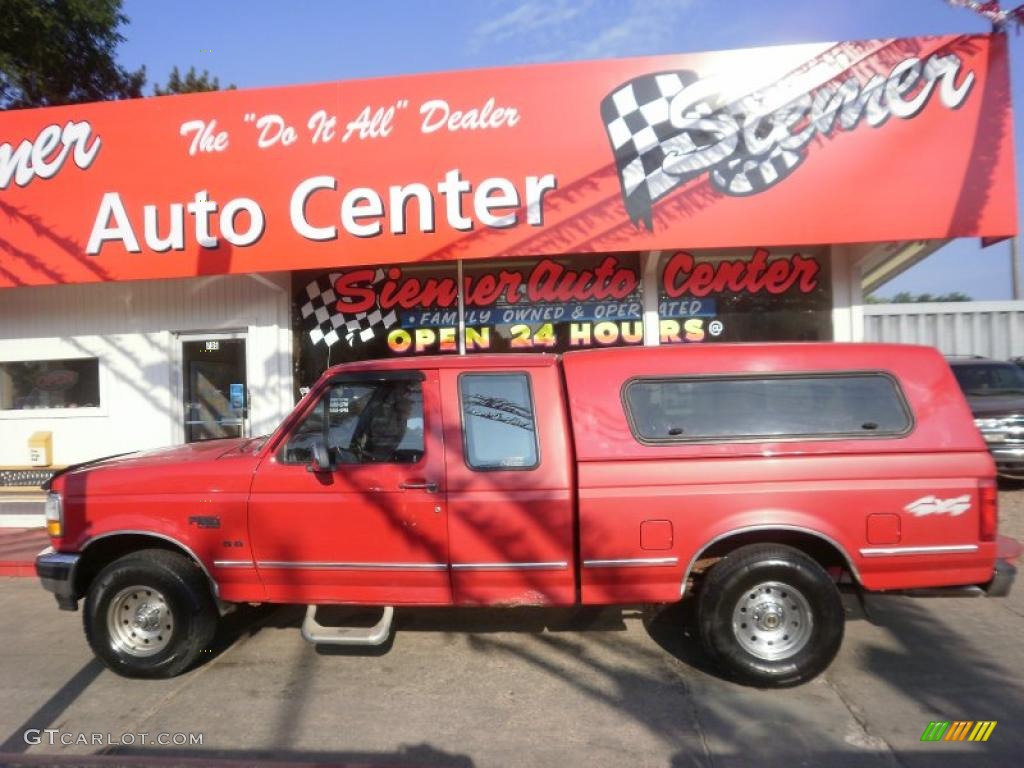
{"points": [[684, 277], [552, 304], [548, 281], [740, 295], [418, 313], [670, 127], [852, 142]]}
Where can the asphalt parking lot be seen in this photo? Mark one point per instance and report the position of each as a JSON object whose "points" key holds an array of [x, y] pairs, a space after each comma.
{"points": [[527, 687]]}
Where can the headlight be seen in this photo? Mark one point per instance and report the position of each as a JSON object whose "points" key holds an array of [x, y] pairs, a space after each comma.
{"points": [[54, 515]]}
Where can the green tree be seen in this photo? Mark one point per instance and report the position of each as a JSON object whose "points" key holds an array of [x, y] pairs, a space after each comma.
{"points": [[192, 82], [906, 297], [954, 296], [62, 52]]}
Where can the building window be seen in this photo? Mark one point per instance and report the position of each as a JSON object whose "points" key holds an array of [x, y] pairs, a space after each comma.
{"points": [[559, 303], [766, 407], [30, 384], [349, 315], [363, 423], [499, 427], [551, 304]]}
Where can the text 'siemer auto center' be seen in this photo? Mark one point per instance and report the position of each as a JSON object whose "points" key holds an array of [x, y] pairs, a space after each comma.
{"points": [[179, 268]]}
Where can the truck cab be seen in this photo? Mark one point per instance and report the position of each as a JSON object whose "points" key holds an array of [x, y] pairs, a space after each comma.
{"points": [[438, 484], [755, 479]]}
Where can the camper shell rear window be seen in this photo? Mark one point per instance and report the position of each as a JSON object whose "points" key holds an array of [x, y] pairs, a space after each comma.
{"points": [[748, 407]]}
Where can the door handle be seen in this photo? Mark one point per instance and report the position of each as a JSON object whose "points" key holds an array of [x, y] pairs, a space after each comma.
{"points": [[425, 485]]}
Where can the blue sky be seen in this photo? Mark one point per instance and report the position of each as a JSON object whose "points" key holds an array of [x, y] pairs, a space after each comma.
{"points": [[252, 44]]}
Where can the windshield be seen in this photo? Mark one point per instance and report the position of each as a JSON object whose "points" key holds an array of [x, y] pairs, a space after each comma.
{"points": [[990, 379]]}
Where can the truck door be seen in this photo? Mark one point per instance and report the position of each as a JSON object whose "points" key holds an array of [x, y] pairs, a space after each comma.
{"points": [[371, 529], [509, 481]]}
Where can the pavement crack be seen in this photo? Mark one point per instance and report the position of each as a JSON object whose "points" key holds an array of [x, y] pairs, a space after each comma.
{"points": [[862, 722], [147, 714], [186, 680], [697, 724], [1011, 609], [675, 668]]}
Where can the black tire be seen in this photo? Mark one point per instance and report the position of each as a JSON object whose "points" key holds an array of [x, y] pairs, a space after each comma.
{"points": [[184, 602], [775, 585]]}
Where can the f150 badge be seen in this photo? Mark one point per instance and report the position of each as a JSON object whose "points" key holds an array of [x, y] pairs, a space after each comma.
{"points": [[933, 505]]}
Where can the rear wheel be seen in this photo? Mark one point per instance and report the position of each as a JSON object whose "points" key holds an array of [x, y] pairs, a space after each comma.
{"points": [[770, 615], [149, 614]]}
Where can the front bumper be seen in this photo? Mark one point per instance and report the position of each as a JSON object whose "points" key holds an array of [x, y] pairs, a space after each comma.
{"points": [[56, 572]]}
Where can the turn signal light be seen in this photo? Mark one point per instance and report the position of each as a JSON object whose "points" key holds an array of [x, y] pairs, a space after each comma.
{"points": [[54, 515], [989, 510]]}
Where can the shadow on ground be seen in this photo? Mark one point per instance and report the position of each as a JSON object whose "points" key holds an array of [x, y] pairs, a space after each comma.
{"points": [[127, 757], [917, 654]]}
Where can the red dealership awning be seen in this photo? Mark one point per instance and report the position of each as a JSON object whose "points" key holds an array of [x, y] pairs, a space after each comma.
{"points": [[881, 140]]}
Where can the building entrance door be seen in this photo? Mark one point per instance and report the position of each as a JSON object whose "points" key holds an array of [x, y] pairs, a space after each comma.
{"points": [[214, 390]]}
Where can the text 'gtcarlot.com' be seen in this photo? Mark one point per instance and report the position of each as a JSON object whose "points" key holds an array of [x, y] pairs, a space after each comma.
{"points": [[54, 737]]}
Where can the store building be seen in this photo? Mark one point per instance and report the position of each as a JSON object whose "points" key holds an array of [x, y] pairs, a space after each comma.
{"points": [[180, 268]]}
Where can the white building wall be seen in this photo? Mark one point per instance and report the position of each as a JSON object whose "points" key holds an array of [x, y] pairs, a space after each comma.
{"points": [[132, 328]]}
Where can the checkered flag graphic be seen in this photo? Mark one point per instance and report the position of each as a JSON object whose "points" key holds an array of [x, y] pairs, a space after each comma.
{"points": [[329, 325], [653, 156]]}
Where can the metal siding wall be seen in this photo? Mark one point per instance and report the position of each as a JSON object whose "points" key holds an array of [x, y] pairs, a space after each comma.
{"points": [[131, 327], [989, 328]]}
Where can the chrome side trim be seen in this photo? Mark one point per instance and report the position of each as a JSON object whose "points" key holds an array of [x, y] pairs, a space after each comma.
{"points": [[631, 562], [547, 566], [330, 566], [233, 563], [780, 527], [175, 542], [939, 550]]}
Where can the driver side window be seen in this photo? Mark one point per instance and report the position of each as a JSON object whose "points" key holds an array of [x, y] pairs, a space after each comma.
{"points": [[369, 422]]}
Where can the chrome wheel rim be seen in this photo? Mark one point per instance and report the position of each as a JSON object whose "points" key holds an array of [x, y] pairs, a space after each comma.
{"points": [[139, 622], [772, 621]]}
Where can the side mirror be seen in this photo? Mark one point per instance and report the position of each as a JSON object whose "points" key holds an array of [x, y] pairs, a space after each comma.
{"points": [[321, 459]]}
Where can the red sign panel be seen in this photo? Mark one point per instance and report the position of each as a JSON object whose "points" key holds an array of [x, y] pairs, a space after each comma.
{"points": [[826, 143]]}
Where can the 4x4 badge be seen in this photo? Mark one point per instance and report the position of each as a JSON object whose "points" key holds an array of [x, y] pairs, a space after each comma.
{"points": [[933, 505]]}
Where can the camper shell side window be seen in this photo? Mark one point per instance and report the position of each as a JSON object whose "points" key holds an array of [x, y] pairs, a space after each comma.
{"points": [[752, 407]]}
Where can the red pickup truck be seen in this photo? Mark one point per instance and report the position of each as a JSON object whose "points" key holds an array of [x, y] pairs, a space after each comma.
{"points": [[754, 478]]}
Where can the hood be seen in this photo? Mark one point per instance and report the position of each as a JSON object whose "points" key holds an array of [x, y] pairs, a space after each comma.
{"points": [[164, 469], [991, 406], [201, 451]]}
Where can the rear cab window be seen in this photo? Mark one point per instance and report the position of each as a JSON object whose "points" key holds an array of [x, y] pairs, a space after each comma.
{"points": [[766, 406], [499, 426]]}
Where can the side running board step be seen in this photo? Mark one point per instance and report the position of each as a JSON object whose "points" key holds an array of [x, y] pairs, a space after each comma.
{"points": [[314, 632]]}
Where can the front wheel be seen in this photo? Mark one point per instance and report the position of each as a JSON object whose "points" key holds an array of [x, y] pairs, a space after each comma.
{"points": [[771, 615], [149, 614]]}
